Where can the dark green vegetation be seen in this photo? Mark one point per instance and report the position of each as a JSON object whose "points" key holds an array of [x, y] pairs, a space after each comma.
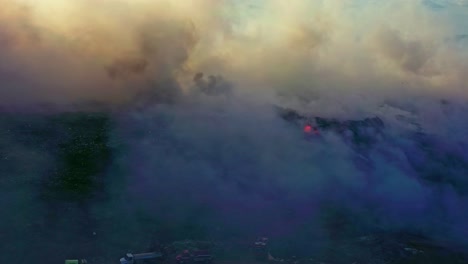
{"points": [[75, 143], [53, 177], [83, 156]]}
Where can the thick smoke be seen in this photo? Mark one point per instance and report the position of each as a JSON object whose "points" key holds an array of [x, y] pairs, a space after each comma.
{"points": [[66, 52], [111, 50], [199, 152], [238, 161]]}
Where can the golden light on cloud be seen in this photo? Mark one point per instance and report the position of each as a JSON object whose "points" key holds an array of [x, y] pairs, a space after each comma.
{"points": [[110, 50]]}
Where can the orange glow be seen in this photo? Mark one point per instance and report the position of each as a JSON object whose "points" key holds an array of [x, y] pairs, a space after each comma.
{"points": [[309, 129]]}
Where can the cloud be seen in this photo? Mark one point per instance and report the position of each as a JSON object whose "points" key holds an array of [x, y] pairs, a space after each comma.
{"points": [[408, 55], [77, 55], [82, 50]]}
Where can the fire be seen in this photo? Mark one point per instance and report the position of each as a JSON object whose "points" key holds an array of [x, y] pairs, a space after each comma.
{"points": [[311, 130]]}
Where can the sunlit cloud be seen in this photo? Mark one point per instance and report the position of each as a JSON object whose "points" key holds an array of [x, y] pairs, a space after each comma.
{"points": [[109, 50]]}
